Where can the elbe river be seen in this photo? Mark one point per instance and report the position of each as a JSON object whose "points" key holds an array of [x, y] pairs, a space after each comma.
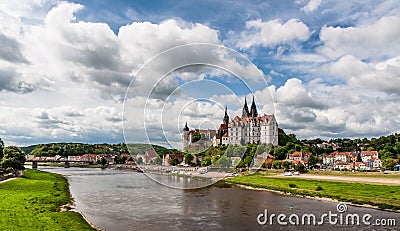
{"points": [[126, 200]]}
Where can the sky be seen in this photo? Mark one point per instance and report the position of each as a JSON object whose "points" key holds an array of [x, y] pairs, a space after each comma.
{"points": [[137, 71]]}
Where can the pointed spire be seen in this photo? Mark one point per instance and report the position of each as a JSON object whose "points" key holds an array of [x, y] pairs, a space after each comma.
{"points": [[245, 111], [226, 117], [253, 109], [186, 128]]}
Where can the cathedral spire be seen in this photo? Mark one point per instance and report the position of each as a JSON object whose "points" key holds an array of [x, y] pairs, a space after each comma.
{"points": [[253, 109], [186, 128], [226, 117], [245, 111]]}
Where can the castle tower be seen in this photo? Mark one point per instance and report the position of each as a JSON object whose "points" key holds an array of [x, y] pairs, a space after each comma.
{"points": [[253, 109], [245, 111], [185, 136]]}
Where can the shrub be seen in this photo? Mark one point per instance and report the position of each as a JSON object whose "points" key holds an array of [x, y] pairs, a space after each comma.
{"points": [[319, 188], [292, 185]]}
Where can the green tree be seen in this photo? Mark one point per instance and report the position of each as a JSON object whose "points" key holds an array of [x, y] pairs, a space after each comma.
{"points": [[140, 160], [276, 164], [215, 159], [300, 167], [280, 153], [13, 158], [247, 161], [188, 158], [175, 161], [312, 160], [103, 161], [224, 162], [196, 137], [158, 160], [1, 149], [206, 161], [285, 165], [388, 163]]}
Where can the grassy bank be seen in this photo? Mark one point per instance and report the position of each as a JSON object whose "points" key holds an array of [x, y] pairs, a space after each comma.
{"points": [[382, 196], [33, 203]]}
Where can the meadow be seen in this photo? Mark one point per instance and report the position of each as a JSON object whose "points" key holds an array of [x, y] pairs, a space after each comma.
{"points": [[34, 201]]}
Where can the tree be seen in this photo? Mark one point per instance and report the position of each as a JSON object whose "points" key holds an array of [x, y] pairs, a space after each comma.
{"points": [[158, 160], [388, 163], [140, 160], [206, 161], [175, 161], [1, 149], [224, 162], [13, 158], [312, 160], [285, 165], [359, 159], [103, 161], [280, 153], [247, 161], [300, 167], [188, 158], [276, 164], [196, 137], [215, 159]]}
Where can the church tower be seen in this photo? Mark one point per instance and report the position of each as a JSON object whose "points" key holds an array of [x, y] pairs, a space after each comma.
{"points": [[185, 136], [226, 117], [245, 111], [253, 109]]}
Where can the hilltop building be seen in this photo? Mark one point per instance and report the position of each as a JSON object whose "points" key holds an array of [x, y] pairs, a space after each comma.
{"points": [[250, 128]]}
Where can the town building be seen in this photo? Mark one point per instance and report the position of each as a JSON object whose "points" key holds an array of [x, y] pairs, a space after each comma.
{"points": [[349, 160]]}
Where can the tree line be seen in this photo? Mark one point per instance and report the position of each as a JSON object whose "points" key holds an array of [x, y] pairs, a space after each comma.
{"points": [[12, 159], [74, 149]]}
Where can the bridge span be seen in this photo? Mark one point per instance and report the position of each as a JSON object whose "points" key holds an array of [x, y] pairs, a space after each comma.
{"points": [[66, 162]]}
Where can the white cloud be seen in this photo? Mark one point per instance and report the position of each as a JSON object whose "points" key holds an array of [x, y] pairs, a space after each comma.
{"points": [[311, 6], [294, 93], [272, 33], [382, 76], [378, 40], [60, 124]]}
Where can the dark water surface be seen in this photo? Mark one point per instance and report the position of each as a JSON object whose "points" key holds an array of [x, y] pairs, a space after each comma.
{"points": [[124, 200]]}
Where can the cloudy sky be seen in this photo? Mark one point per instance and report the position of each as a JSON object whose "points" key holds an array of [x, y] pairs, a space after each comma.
{"points": [[92, 71]]}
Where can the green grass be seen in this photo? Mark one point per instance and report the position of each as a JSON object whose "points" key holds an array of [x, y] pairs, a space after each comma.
{"points": [[33, 203], [382, 196]]}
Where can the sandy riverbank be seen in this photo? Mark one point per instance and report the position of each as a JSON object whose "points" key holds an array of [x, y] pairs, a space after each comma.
{"points": [[369, 180]]}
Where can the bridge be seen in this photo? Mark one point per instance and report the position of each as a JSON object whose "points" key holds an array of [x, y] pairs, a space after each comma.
{"points": [[66, 162]]}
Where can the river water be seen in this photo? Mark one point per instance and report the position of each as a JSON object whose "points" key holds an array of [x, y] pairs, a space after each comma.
{"points": [[126, 200]]}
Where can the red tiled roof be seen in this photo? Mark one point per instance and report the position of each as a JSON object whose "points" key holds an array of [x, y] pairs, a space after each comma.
{"points": [[369, 153], [296, 154]]}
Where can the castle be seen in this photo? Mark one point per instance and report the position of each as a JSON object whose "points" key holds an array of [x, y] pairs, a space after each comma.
{"points": [[250, 128]]}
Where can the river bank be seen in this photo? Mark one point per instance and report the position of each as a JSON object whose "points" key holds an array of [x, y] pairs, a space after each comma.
{"points": [[34, 201], [385, 197]]}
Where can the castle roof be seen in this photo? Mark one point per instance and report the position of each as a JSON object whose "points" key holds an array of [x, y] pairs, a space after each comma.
{"points": [[266, 119]]}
